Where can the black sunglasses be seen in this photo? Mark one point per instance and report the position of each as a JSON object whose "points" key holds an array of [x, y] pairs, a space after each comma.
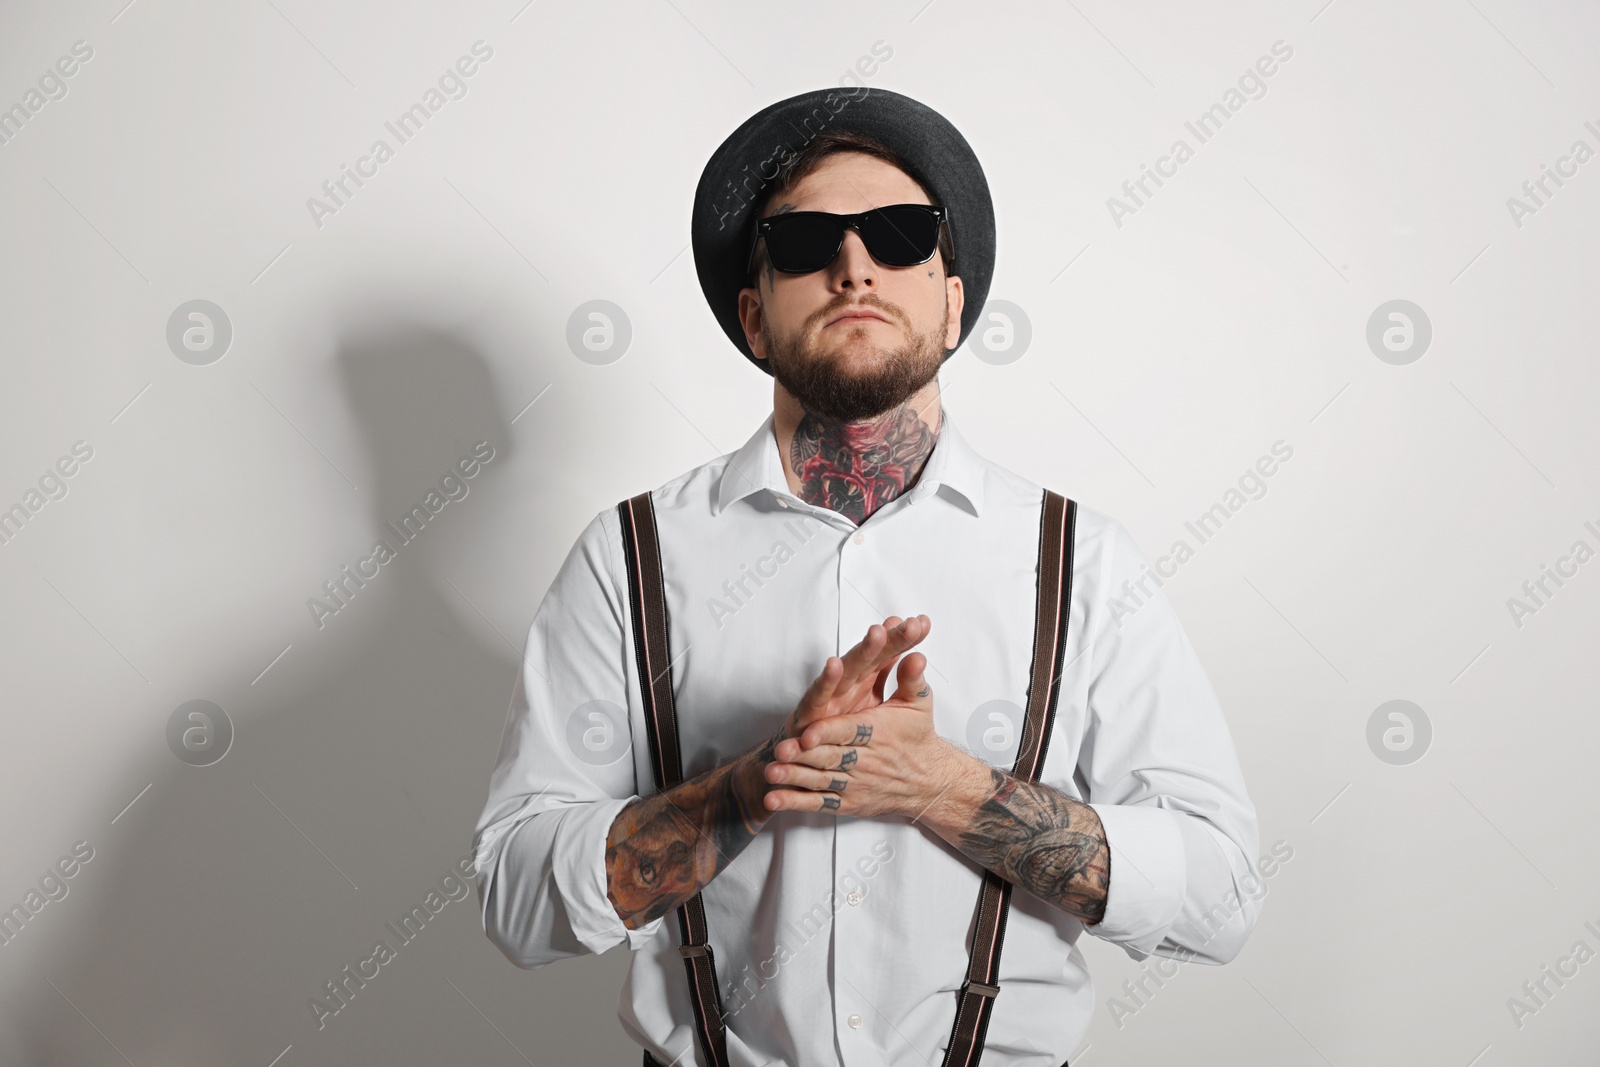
{"points": [[899, 235]]}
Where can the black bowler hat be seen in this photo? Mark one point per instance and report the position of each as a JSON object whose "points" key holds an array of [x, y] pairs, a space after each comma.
{"points": [[741, 170]]}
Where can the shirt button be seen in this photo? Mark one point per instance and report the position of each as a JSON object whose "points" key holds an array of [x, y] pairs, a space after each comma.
{"points": [[854, 899], [854, 1021], [859, 537]]}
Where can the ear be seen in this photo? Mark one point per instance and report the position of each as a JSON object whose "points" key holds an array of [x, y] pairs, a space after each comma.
{"points": [[750, 312], [956, 296]]}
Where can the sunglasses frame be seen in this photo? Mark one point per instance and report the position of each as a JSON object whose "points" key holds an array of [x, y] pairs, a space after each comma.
{"points": [[850, 222]]}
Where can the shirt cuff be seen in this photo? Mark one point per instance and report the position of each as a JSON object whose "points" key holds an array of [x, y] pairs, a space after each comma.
{"points": [[1147, 876], [579, 866]]}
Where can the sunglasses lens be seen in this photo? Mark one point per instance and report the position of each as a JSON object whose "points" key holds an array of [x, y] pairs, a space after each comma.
{"points": [[803, 242], [902, 235]]}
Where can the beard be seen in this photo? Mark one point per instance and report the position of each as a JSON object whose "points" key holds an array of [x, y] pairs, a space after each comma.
{"points": [[831, 385]]}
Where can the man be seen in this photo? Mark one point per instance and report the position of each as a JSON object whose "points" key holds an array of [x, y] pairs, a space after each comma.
{"points": [[843, 797]]}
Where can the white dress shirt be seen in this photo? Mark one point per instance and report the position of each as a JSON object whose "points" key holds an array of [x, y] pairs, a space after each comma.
{"points": [[840, 939]]}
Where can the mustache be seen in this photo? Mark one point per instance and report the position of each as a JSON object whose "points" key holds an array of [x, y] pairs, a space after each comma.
{"points": [[841, 305]]}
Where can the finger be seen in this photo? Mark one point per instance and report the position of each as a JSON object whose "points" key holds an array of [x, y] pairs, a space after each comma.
{"points": [[863, 658], [824, 684], [899, 635], [802, 800], [839, 731], [800, 776], [903, 636], [830, 757], [881, 682], [913, 688], [788, 750], [794, 751], [894, 627], [867, 665], [821, 690]]}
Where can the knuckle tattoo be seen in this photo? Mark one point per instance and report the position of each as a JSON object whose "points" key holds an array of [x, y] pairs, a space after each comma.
{"points": [[847, 760], [837, 785], [830, 803]]}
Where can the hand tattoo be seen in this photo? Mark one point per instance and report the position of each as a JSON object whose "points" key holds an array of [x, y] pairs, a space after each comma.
{"points": [[830, 803], [1043, 840], [837, 785], [847, 760], [863, 734]]}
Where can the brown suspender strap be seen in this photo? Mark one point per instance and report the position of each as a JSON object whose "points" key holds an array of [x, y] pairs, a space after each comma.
{"points": [[648, 602], [975, 1000], [648, 599]]}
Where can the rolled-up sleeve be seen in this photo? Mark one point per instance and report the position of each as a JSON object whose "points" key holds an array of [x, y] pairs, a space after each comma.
{"points": [[565, 768], [1160, 770]]}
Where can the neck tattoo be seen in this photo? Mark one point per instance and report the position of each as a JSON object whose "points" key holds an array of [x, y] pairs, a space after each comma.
{"points": [[855, 468]]}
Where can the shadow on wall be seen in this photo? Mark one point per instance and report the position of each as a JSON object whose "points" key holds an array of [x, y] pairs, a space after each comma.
{"points": [[230, 895]]}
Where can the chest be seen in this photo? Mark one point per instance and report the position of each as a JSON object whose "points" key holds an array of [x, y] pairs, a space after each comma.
{"points": [[757, 602]]}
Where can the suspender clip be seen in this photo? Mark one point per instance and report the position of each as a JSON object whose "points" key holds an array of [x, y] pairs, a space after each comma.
{"points": [[688, 951], [990, 991]]}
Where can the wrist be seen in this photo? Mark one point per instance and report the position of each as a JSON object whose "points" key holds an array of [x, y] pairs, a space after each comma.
{"points": [[750, 783], [958, 786]]}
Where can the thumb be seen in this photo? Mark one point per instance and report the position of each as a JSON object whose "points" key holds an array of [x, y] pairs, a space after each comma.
{"points": [[913, 689]]}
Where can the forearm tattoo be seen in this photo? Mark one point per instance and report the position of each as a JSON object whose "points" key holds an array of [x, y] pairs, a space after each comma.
{"points": [[664, 848], [1039, 838]]}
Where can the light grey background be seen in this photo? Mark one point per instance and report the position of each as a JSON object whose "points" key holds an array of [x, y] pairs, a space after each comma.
{"points": [[1167, 353]]}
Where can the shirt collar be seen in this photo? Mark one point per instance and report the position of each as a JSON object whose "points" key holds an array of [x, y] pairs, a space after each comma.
{"points": [[952, 464]]}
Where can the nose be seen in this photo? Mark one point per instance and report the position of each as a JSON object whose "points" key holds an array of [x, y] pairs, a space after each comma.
{"points": [[853, 267]]}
